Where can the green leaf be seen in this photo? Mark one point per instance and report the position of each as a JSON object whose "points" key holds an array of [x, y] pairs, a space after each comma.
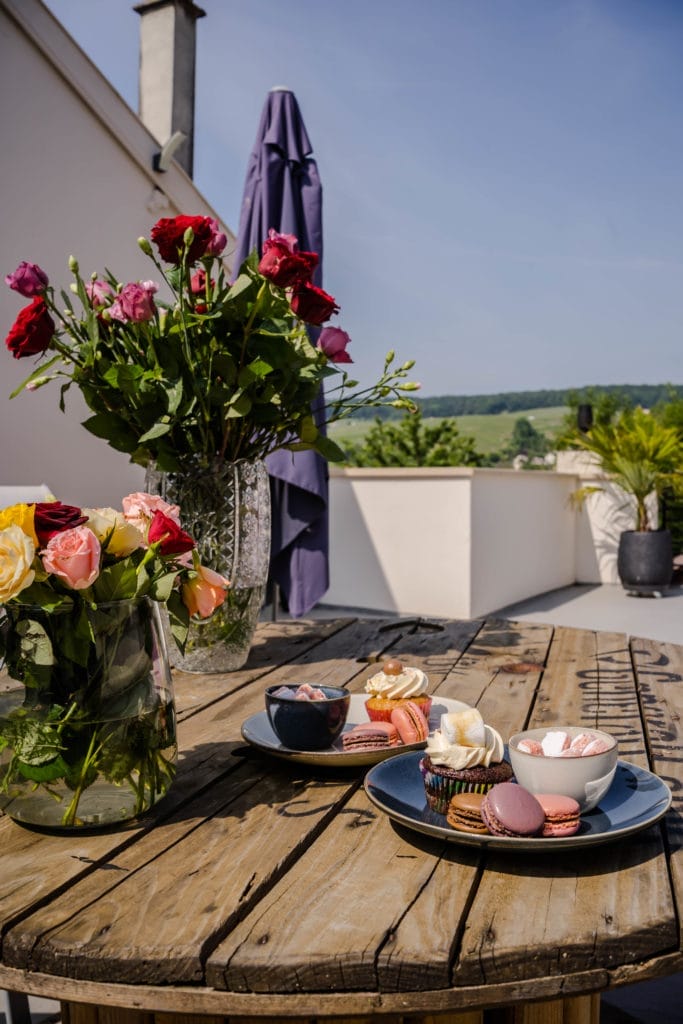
{"points": [[239, 406], [179, 619], [158, 430], [162, 587], [241, 285], [48, 772], [329, 449], [117, 582]]}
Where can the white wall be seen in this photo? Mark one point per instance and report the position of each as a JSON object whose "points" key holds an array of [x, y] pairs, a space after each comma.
{"points": [[523, 536], [400, 540], [448, 542], [77, 178]]}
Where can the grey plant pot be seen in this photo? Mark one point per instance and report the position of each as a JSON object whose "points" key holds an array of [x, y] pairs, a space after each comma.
{"points": [[645, 561]]}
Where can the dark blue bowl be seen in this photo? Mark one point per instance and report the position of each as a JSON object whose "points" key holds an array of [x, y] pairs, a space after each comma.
{"points": [[308, 724]]}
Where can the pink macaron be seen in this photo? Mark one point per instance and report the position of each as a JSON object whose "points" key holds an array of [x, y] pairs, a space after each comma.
{"points": [[562, 814], [411, 724], [370, 736]]}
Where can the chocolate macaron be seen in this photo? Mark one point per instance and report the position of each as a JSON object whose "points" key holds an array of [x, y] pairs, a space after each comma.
{"points": [[464, 813], [370, 736], [510, 810]]}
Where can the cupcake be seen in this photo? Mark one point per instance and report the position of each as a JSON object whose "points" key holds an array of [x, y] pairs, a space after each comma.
{"points": [[393, 686], [463, 756]]}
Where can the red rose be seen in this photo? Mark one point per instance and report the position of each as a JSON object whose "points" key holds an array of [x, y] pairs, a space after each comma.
{"points": [[313, 304], [284, 267], [174, 540], [167, 234], [32, 331], [51, 517]]}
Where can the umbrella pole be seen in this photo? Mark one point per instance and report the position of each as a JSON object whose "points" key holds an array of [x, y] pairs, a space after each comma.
{"points": [[275, 602]]}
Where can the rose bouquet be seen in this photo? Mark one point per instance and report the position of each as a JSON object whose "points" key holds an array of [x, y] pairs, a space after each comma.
{"points": [[222, 371], [78, 589]]}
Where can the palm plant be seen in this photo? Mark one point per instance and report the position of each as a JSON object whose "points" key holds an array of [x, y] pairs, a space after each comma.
{"points": [[640, 455]]}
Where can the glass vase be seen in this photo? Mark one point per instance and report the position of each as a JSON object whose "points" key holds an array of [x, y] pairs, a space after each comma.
{"points": [[226, 508], [87, 728]]}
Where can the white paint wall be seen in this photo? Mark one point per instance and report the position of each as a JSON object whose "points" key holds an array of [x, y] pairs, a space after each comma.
{"points": [[400, 540], [463, 542], [77, 178]]}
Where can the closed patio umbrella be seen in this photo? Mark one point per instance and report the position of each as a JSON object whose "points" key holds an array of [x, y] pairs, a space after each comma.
{"points": [[282, 191]]}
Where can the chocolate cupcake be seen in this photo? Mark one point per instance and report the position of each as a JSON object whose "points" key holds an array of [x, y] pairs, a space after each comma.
{"points": [[463, 756]]}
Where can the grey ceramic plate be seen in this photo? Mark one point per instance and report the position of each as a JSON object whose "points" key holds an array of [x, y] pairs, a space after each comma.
{"points": [[636, 799], [258, 731]]}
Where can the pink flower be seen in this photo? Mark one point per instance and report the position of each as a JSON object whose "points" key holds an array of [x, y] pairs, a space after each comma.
{"points": [[289, 242], [99, 293], [28, 279], [74, 556], [218, 241], [333, 342], [139, 508], [134, 302], [204, 592]]}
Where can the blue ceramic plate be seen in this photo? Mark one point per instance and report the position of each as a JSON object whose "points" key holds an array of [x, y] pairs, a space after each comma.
{"points": [[258, 731], [636, 799]]}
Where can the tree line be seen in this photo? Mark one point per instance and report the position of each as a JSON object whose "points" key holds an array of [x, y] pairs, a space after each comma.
{"points": [[645, 395]]}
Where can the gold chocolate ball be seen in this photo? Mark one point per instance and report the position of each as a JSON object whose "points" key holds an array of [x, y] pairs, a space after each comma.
{"points": [[392, 667]]}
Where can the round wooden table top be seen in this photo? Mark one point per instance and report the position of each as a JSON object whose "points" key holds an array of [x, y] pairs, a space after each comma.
{"points": [[260, 887]]}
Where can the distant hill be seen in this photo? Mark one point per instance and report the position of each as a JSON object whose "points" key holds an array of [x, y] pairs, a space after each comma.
{"points": [[646, 395]]}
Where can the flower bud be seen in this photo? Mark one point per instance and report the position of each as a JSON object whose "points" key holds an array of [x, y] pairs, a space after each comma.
{"points": [[73, 264], [73, 288], [410, 386], [145, 246], [389, 357], [188, 237], [408, 365]]}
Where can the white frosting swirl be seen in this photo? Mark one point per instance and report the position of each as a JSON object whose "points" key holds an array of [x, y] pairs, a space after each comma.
{"points": [[478, 743], [412, 682]]}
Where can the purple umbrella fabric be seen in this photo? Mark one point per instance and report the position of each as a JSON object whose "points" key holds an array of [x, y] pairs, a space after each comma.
{"points": [[282, 190]]}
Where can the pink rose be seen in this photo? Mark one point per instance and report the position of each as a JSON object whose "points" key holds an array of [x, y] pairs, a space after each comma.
{"points": [[139, 508], [333, 342], [218, 240], [28, 279], [99, 293], [204, 592], [74, 556], [134, 302]]}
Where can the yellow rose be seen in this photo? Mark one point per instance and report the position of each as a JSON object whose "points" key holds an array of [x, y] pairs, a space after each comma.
{"points": [[109, 525], [21, 516], [16, 555]]}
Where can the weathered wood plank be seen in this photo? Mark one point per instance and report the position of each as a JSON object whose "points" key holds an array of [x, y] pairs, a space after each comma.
{"points": [[589, 681], [149, 920], [498, 673], [620, 909], [659, 672], [321, 927]]}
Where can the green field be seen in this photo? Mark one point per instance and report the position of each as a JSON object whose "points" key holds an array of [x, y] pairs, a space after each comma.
{"points": [[490, 433]]}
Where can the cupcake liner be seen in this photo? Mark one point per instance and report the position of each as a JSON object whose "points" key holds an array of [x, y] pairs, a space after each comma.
{"points": [[440, 789]]}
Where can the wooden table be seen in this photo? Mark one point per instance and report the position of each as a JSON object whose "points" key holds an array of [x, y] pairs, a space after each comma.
{"points": [[262, 889]]}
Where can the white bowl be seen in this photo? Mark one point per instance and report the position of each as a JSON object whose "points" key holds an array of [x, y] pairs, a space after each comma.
{"points": [[585, 778]]}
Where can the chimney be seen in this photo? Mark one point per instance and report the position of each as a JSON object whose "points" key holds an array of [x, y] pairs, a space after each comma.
{"points": [[167, 70]]}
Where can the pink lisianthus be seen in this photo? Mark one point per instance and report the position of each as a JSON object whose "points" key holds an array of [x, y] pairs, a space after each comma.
{"points": [[74, 556], [135, 302], [204, 592], [333, 342], [139, 508], [99, 293], [28, 279], [289, 242], [218, 240]]}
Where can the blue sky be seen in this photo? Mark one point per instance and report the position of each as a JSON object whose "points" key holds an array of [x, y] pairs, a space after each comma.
{"points": [[502, 178]]}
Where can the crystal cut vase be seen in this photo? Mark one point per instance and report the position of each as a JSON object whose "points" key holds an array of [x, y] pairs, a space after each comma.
{"points": [[226, 508], [87, 729]]}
